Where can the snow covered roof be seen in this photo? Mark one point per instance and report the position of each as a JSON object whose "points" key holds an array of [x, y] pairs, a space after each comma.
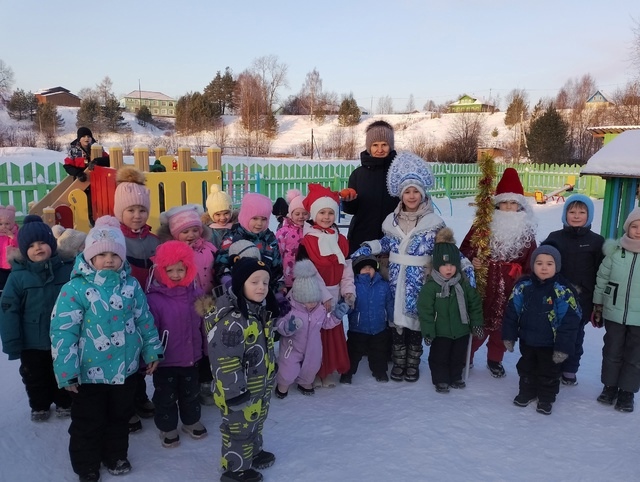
{"points": [[600, 131], [148, 94], [619, 158]]}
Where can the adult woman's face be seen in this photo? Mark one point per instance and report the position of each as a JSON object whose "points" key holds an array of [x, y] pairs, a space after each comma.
{"points": [[380, 149]]}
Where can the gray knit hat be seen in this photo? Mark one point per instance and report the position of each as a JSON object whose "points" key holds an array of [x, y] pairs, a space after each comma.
{"points": [[551, 251], [306, 287], [379, 131], [362, 261], [244, 249]]}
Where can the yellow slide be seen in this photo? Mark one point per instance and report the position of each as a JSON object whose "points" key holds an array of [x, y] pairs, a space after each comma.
{"points": [[59, 195]]}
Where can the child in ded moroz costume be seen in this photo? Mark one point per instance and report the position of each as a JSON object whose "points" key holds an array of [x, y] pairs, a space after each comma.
{"points": [[409, 237], [240, 337], [300, 353]]}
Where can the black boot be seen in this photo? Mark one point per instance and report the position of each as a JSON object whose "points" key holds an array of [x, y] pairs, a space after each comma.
{"points": [[413, 356], [625, 401], [608, 395], [398, 355], [249, 475]]}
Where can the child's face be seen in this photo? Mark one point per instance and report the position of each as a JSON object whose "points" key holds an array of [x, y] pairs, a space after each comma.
{"points": [[634, 230], [511, 206], [411, 198], [135, 217], [256, 287], [176, 272], [222, 217], [299, 216], [39, 251], [258, 224], [85, 141], [5, 225], [544, 267], [325, 218], [577, 216], [190, 235], [107, 261], [447, 271], [368, 270]]}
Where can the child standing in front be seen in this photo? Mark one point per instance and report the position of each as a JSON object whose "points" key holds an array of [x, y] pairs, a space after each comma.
{"points": [[8, 238], [618, 309], [300, 354], [172, 295], [328, 250], [131, 206], [581, 252], [543, 313], [220, 211], [409, 236], [101, 327], [290, 234], [449, 310], [369, 320], [29, 296], [240, 335]]}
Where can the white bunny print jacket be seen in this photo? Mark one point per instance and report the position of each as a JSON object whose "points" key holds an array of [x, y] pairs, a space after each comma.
{"points": [[101, 326]]}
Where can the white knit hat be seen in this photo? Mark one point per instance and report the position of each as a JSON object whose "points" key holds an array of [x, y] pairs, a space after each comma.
{"points": [[105, 237], [218, 200]]}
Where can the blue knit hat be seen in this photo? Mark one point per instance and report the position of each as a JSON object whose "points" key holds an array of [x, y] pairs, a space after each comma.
{"points": [[34, 229], [586, 200]]}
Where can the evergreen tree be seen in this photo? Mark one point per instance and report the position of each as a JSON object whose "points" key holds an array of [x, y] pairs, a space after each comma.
{"points": [[143, 116], [112, 116], [22, 105], [89, 115], [47, 120], [548, 138], [349, 113], [195, 112], [228, 88], [214, 92], [517, 111]]}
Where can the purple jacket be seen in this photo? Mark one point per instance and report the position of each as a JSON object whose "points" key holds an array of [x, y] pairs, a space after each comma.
{"points": [[300, 354], [173, 310]]}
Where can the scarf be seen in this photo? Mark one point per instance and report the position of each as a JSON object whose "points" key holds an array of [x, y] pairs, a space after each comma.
{"points": [[629, 244], [406, 221], [446, 285]]}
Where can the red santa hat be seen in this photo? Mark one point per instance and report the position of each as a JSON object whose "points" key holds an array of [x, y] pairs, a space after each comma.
{"points": [[510, 188], [319, 198]]}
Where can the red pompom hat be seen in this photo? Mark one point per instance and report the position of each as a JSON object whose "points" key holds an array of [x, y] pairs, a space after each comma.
{"points": [[510, 188], [319, 198]]}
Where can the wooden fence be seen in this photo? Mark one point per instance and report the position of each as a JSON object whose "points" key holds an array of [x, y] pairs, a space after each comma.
{"points": [[21, 183]]}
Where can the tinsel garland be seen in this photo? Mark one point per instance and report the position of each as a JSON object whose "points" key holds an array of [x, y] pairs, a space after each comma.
{"points": [[482, 220]]}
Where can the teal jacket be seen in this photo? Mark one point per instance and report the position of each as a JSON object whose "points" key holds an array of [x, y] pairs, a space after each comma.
{"points": [[101, 326], [27, 301], [440, 317], [617, 285]]}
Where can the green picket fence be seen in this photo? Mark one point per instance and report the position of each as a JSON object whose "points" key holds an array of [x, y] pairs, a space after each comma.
{"points": [[23, 183]]}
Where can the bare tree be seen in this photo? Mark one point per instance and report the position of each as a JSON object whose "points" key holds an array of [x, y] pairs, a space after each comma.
{"points": [[635, 48], [312, 92], [385, 105], [273, 76], [464, 136], [87, 93], [626, 108], [6, 79], [411, 104], [104, 90]]}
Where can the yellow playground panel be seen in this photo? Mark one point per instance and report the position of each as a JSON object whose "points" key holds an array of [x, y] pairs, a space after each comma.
{"points": [[557, 194]]}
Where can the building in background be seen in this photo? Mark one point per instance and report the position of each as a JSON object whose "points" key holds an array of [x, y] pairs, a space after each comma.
{"points": [[58, 96], [159, 104]]}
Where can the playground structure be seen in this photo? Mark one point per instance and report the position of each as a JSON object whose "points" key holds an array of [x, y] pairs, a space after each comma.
{"points": [[557, 194], [67, 203]]}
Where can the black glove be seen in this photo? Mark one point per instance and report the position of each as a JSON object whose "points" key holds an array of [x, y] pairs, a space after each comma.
{"points": [[478, 332], [283, 303], [427, 341], [82, 177]]}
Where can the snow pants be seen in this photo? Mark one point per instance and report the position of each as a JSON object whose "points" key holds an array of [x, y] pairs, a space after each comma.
{"points": [[539, 376], [447, 358], [375, 347], [495, 347], [621, 356], [176, 392], [572, 363], [294, 366], [99, 427], [36, 369]]}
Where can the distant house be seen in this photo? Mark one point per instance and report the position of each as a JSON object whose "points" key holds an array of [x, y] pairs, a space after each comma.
{"points": [[58, 96], [159, 104], [466, 103], [599, 100]]}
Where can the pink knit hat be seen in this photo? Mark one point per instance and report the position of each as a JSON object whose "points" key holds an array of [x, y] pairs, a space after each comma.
{"points": [[130, 191], [8, 213], [294, 198], [180, 218], [105, 237], [170, 253], [253, 205]]}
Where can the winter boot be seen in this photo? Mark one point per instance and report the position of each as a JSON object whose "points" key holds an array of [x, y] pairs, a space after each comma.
{"points": [[625, 401], [346, 378], [40, 415], [544, 408], [145, 408], [263, 460], [62, 412], [170, 439], [206, 395], [522, 399], [135, 425], [196, 430], [90, 476], [249, 475], [458, 384], [442, 387], [120, 467], [569, 379], [414, 353], [398, 355], [496, 369], [608, 395], [381, 377]]}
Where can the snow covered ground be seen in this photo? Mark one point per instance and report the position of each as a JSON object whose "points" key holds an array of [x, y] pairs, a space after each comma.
{"points": [[378, 432]]}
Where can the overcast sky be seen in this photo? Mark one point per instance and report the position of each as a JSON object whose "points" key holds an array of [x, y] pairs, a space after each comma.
{"points": [[432, 49]]}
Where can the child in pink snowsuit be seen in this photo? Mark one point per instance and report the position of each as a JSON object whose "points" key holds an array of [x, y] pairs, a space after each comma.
{"points": [[290, 234], [8, 238], [300, 354]]}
